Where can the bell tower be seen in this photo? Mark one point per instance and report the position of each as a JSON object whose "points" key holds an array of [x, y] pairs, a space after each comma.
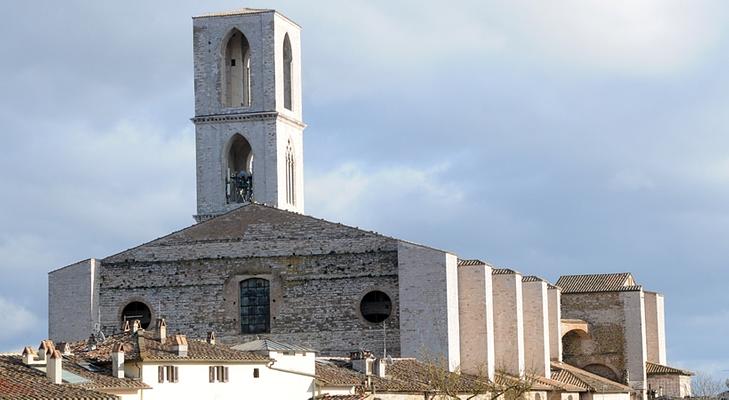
{"points": [[248, 127]]}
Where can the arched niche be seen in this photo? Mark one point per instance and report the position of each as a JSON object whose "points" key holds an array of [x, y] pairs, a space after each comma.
{"points": [[239, 170], [288, 60], [236, 70]]}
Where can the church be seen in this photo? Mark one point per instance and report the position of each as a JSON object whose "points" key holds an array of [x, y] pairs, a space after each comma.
{"points": [[254, 265]]}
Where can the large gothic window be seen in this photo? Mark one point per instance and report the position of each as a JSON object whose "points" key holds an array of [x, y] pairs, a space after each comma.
{"points": [[290, 175], [287, 62], [254, 306], [240, 171], [237, 71]]}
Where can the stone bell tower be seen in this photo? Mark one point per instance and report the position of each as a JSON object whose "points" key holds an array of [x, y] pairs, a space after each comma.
{"points": [[248, 128]]}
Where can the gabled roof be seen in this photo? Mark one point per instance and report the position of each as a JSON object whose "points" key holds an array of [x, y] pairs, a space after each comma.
{"points": [[616, 282], [470, 262], [572, 375], [266, 345], [503, 271], [19, 381], [659, 369], [142, 346], [256, 230]]}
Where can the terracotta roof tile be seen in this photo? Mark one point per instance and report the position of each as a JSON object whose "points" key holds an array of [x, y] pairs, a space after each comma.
{"points": [[658, 369], [616, 282], [578, 377], [19, 381], [470, 262], [503, 271]]}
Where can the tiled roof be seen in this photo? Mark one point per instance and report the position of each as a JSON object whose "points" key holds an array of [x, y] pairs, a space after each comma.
{"points": [[240, 11], [503, 271], [572, 375], [342, 397], [271, 345], [532, 278], [658, 369], [19, 381], [617, 282], [246, 228], [143, 347], [334, 373], [407, 375], [470, 262]]}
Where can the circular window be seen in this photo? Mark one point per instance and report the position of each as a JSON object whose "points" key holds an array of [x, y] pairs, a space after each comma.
{"points": [[375, 306], [137, 310]]}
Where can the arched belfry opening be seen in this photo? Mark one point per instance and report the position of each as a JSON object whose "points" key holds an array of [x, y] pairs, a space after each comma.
{"points": [[239, 170], [290, 175], [237, 71], [287, 67]]}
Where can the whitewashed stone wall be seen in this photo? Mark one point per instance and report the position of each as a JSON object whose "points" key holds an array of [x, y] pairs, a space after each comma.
{"points": [[476, 318], [428, 283], [509, 323], [555, 323], [635, 339], [672, 386], [655, 328], [536, 327], [72, 297]]}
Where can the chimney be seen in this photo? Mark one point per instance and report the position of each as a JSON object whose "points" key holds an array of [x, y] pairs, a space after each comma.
{"points": [[45, 349], [362, 361], [211, 338], [179, 345], [117, 361], [54, 367], [380, 367], [136, 326], [161, 332], [29, 355], [125, 326], [91, 343], [64, 348]]}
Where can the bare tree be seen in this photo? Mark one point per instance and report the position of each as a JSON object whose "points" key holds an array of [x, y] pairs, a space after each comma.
{"points": [[457, 385], [704, 386]]}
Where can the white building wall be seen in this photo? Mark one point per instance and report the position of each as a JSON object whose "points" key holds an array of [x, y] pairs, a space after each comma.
{"points": [[655, 328], [73, 303], [536, 328], [509, 323], [428, 292], [476, 319], [193, 383], [554, 295], [635, 339]]}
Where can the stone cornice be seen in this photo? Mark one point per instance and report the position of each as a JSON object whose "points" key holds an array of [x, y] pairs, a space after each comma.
{"points": [[254, 116]]}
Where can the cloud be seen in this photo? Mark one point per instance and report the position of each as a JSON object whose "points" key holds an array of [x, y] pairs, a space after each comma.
{"points": [[18, 322]]}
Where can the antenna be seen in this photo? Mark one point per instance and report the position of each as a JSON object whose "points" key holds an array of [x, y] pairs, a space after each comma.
{"points": [[159, 308], [384, 340]]}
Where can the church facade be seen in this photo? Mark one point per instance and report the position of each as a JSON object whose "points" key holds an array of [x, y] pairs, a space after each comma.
{"points": [[254, 265]]}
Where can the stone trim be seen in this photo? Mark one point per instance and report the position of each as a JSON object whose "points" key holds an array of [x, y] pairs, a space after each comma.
{"points": [[246, 116]]}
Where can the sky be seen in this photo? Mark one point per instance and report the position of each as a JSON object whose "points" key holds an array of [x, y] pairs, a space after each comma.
{"points": [[561, 137]]}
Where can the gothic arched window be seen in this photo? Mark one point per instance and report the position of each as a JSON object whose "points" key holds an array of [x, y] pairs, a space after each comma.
{"points": [[287, 62], [290, 175], [240, 170], [254, 306], [237, 71]]}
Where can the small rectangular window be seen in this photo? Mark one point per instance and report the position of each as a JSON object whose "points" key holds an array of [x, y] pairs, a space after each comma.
{"points": [[161, 374], [232, 62], [171, 374], [211, 374], [256, 373]]}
